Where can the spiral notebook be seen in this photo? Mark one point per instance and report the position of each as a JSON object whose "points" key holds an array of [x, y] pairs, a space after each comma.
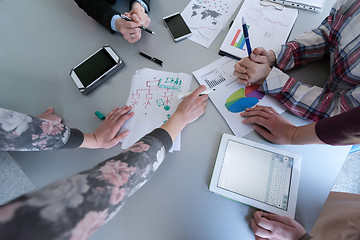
{"points": [[268, 28]]}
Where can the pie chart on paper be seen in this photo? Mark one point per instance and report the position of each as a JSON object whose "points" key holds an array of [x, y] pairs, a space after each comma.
{"points": [[243, 98]]}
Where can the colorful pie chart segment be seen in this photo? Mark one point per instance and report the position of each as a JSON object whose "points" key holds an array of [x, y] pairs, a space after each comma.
{"points": [[243, 98]]}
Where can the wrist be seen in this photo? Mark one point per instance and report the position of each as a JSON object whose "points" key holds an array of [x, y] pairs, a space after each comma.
{"points": [[179, 119], [271, 58], [174, 126], [261, 81], [90, 141], [293, 135], [138, 5]]}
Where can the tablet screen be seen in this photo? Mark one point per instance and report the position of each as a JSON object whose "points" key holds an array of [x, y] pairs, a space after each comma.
{"points": [[257, 174]]}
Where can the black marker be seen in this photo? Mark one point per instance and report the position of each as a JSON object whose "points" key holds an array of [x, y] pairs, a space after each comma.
{"points": [[122, 16], [158, 61]]}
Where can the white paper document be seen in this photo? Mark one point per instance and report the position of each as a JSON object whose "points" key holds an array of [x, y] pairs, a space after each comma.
{"points": [[154, 98], [267, 27], [230, 97], [206, 18]]}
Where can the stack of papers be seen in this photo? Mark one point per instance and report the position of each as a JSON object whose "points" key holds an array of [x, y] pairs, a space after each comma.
{"points": [[154, 98]]}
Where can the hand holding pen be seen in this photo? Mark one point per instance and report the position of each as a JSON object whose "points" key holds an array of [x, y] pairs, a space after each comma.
{"points": [[142, 27], [131, 27]]}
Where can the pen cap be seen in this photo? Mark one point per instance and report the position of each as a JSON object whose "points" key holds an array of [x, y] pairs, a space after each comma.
{"points": [[245, 28], [100, 115]]}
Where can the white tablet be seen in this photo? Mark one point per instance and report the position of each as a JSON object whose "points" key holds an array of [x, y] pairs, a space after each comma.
{"points": [[257, 175]]}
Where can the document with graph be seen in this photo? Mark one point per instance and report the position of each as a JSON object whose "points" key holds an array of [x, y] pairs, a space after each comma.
{"points": [[231, 98], [268, 28]]}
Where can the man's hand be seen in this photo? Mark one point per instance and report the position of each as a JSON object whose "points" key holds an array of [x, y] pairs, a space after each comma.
{"points": [[130, 30], [255, 69]]}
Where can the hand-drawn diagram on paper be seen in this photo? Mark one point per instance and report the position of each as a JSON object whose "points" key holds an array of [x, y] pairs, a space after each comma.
{"points": [[206, 18], [158, 92], [153, 97]]}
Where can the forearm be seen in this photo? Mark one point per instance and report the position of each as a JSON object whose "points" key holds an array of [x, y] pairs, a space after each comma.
{"points": [[174, 126], [310, 46], [101, 11], [306, 135], [342, 129], [21, 132], [308, 102], [79, 205]]}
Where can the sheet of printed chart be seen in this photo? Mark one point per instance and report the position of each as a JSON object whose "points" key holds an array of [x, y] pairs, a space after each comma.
{"points": [[206, 18], [231, 97], [267, 26], [154, 98]]}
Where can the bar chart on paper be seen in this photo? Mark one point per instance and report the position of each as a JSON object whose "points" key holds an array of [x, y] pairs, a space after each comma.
{"points": [[239, 40], [269, 28], [232, 97], [220, 75]]}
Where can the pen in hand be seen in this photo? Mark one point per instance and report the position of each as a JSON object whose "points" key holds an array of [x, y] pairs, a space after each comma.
{"points": [[122, 16], [184, 95], [246, 36]]}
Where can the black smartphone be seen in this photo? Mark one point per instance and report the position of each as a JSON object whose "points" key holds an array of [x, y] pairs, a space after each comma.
{"points": [[177, 26], [95, 69]]}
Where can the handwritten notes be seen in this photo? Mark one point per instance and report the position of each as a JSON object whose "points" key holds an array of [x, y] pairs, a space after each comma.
{"points": [[153, 97]]}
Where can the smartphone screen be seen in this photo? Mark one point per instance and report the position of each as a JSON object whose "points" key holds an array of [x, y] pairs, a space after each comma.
{"points": [[94, 67], [177, 26]]}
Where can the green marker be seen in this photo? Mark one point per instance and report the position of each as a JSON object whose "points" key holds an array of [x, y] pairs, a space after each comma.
{"points": [[100, 115]]}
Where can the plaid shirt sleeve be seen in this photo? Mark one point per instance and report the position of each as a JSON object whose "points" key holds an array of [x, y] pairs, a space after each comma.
{"points": [[337, 37]]}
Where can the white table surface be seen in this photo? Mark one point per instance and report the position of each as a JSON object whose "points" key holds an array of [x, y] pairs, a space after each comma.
{"points": [[42, 40]]}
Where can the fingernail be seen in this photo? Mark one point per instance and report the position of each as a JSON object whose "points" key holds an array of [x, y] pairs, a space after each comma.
{"points": [[127, 132], [253, 126]]}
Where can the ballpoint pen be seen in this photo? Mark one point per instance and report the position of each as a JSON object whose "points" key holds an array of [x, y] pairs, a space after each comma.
{"points": [[122, 16], [246, 36], [155, 60], [184, 95]]}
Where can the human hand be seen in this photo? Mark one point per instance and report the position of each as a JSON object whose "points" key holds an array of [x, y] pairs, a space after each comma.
{"points": [[50, 115], [105, 136], [193, 106], [139, 15], [190, 109], [270, 124], [270, 55], [275, 227], [130, 29], [255, 69]]}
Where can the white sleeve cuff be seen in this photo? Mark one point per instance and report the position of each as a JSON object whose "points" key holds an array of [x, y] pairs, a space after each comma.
{"points": [[112, 23], [142, 4]]}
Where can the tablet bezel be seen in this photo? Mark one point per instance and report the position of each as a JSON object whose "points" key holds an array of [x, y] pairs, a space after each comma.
{"points": [[294, 180]]}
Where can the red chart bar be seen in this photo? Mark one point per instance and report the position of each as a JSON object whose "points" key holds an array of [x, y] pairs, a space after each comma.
{"points": [[236, 36]]}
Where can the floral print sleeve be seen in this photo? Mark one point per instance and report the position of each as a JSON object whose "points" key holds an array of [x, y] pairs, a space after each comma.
{"points": [[74, 208], [21, 132]]}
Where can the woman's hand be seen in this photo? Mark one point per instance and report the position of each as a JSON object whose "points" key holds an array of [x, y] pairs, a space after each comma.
{"points": [[106, 135], [50, 115], [190, 109], [270, 124]]}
